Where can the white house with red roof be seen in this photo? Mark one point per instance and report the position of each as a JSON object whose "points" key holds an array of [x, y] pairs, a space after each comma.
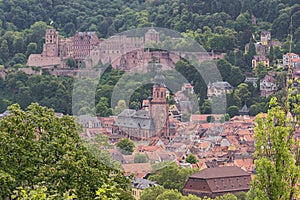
{"points": [[290, 58]]}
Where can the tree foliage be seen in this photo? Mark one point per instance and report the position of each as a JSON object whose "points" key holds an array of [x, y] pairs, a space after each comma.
{"points": [[46, 151], [126, 146], [172, 176], [191, 159], [277, 154]]}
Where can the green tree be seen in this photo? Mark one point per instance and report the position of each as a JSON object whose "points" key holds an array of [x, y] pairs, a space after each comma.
{"points": [[192, 197], [242, 91], [226, 197], [19, 58], [249, 55], [277, 154], [4, 51], [253, 110], [206, 107], [260, 70], [191, 159], [140, 158], [71, 62], [46, 150], [224, 68], [242, 22], [126, 146], [172, 177], [152, 193], [119, 107], [102, 108], [230, 73], [210, 118], [233, 111], [170, 194], [31, 49]]}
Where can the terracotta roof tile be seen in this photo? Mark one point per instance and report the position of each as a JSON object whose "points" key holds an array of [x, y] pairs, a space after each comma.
{"points": [[140, 170]]}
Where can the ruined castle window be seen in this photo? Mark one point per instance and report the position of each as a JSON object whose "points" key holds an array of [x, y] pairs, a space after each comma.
{"points": [[161, 95]]}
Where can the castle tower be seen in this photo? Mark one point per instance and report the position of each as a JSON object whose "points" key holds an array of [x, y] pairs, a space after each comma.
{"points": [[50, 48], [151, 36], [159, 108]]}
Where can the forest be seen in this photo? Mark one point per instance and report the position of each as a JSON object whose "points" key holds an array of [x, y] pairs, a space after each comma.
{"points": [[219, 26]]}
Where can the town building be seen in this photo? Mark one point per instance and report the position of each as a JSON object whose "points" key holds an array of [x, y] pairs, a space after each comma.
{"points": [[139, 184], [139, 170], [87, 121], [267, 86], [218, 89], [252, 80], [290, 59], [265, 38], [296, 72], [260, 59], [217, 181]]}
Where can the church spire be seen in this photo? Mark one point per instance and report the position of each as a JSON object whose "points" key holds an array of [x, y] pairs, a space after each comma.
{"points": [[159, 79]]}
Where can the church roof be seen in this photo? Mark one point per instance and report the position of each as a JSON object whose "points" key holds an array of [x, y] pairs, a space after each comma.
{"points": [[130, 118]]}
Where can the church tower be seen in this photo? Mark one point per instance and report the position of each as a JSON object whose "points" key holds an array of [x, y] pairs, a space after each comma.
{"points": [[159, 108]]}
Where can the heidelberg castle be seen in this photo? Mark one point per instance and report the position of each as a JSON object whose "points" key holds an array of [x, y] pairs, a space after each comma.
{"points": [[121, 51]]}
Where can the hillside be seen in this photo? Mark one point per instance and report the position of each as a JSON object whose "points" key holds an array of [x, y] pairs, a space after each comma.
{"points": [[218, 25]]}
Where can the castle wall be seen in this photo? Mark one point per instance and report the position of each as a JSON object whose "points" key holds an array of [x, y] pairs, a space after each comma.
{"points": [[43, 61]]}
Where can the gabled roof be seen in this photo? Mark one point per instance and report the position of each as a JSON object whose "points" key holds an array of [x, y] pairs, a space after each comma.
{"points": [[219, 172], [140, 170], [268, 78], [135, 119], [140, 183]]}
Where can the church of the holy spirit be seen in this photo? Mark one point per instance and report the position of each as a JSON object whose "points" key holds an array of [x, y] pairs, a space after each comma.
{"points": [[154, 122]]}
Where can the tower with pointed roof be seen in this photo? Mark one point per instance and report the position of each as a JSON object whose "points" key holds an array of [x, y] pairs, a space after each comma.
{"points": [[159, 107]]}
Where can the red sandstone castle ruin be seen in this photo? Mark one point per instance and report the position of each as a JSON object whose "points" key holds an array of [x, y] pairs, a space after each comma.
{"points": [[86, 46], [123, 52]]}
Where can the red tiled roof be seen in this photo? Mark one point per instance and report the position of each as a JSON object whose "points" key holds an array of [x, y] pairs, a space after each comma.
{"points": [[140, 170], [203, 117]]}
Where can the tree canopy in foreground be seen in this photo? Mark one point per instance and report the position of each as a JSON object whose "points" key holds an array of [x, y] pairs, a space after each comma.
{"points": [[277, 152], [44, 153]]}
